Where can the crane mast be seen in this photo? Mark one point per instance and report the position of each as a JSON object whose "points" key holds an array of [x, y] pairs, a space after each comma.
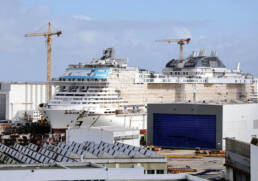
{"points": [[48, 35], [181, 43], [49, 61]]}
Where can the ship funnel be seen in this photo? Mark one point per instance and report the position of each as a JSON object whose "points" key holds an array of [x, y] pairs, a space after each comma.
{"points": [[108, 53], [213, 53], [194, 54], [238, 66], [202, 52]]}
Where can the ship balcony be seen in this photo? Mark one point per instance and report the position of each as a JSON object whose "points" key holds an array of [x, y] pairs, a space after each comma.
{"points": [[199, 80], [78, 81], [175, 80]]}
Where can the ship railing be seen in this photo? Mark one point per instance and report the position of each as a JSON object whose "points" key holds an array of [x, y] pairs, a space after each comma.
{"points": [[228, 80], [174, 80], [200, 80], [78, 80]]}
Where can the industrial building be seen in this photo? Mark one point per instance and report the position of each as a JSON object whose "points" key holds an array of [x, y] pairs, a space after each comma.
{"points": [[186, 125], [237, 161], [19, 99], [241, 160], [82, 171]]}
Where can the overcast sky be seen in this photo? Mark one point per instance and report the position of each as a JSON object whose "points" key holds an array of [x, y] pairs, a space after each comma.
{"points": [[131, 27]]}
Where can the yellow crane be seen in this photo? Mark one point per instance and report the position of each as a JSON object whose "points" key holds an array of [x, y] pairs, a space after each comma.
{"points": [[48, 35], [181, 42]]}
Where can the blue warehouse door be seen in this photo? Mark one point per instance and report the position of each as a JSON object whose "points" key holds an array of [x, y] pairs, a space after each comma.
{"points": [[184, 131]]}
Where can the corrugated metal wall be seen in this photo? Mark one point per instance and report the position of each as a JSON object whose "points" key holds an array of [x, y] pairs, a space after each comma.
{"points": [[184, 131]]}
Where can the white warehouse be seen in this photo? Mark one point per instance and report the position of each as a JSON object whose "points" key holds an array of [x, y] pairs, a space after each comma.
{"points": [[16, 98], [186, 125]]}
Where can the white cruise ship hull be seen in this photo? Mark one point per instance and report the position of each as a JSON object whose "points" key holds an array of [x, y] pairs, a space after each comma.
{"points": [[62, 119]]}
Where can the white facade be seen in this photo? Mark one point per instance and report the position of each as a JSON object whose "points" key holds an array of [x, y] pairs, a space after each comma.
{"points": [[240, 121], [77, 172], [24, 97], [106, 133]]}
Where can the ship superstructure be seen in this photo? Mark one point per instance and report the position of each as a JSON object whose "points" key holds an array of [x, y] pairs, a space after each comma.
{"points": [[107, 91]]}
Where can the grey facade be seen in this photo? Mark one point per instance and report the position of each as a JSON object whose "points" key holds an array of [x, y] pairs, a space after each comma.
{"points": [[2, 106], [237, 161], [4, 98]]}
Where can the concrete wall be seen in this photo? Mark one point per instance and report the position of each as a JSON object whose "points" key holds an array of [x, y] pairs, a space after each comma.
{"points": [[237, 160], [201, 109], [240, 121], [254, 165], [127, 136], [80, 135], [106, 134]]}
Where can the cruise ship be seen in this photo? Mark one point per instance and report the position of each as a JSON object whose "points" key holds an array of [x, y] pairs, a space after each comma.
{"points": [[108, 92]]}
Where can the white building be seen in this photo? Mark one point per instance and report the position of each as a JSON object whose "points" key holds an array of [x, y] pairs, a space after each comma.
{"points": [[186, 125], [82, 171], [18, 98]]}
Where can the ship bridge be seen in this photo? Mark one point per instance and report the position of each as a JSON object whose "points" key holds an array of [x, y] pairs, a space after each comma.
{"points": [[196, 62], [86, 73]]}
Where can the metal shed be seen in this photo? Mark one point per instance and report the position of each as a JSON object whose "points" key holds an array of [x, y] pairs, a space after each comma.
{"points": [[204, 125]]}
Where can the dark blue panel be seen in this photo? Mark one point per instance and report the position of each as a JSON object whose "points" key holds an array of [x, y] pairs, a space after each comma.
{"points": [[2, 106], [184, 131]]}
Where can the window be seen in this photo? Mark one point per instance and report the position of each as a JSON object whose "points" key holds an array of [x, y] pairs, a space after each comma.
{"points": [[160, 171], [150, 171], [77, 99]]}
